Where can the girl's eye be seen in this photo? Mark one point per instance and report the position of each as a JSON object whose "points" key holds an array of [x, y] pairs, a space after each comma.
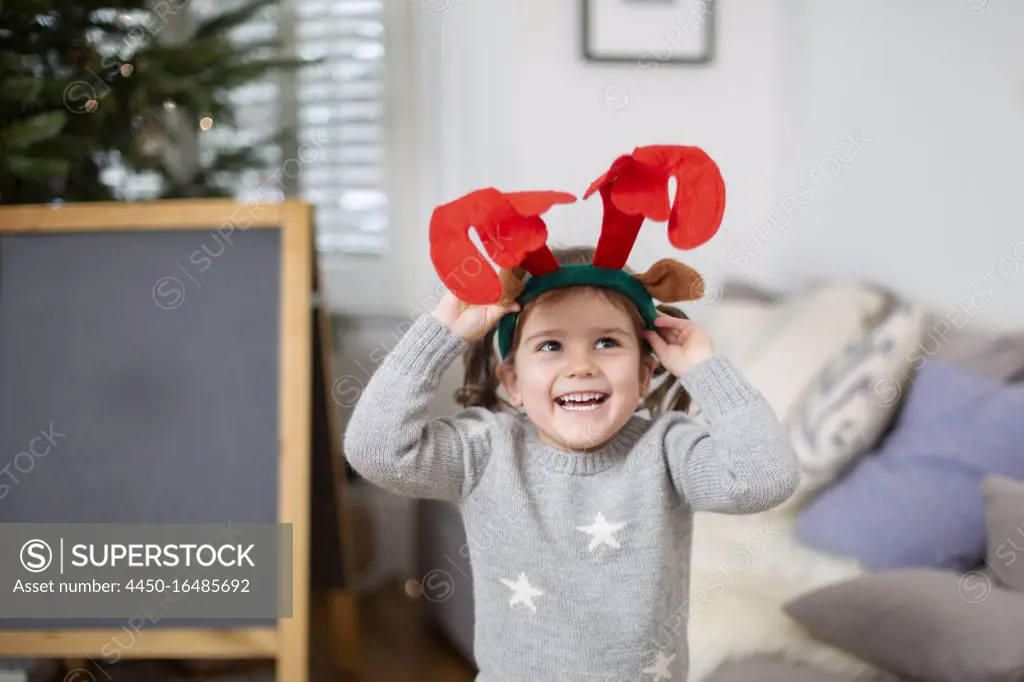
{"points": [[607, 342], [549, 345]]}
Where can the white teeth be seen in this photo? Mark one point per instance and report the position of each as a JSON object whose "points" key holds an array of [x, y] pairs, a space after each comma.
{"points": [[582, 397], [580, 408], [574, 401]]}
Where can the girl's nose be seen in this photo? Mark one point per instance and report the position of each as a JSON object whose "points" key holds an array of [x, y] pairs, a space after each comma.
{"points": [[581, 365]]}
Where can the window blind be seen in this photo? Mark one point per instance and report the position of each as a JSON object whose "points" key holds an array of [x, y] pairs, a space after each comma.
{"points": [[341, 111], [337, 107]]}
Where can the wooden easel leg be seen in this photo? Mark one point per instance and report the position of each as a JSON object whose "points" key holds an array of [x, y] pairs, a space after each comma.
{"points": [[70, 664], [344, 605], [334, 635], [341, 603], [296, 435]]}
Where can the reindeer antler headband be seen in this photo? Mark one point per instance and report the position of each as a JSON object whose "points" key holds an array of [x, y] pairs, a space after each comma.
{"points": [[634, 188]]}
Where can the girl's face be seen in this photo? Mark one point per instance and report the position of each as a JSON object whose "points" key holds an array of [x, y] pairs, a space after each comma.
{"points": [[578, 370]]}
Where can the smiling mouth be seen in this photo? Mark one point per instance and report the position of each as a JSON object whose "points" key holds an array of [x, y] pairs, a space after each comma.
{"points": [[581, 402]]}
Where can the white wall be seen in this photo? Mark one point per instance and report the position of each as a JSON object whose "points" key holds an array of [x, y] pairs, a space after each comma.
{"points": [[933, 204], [932, 95], [519, 109]]}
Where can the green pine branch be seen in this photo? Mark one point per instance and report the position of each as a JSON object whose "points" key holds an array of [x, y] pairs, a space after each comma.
{"points": [[67, 111], [37, 168], [23, 134]]}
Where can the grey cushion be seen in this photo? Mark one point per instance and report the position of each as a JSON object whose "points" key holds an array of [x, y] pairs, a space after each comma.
{"points": [[765, 668], [949, 335], [1004, 519], [997, 354], [737, 289], [921, 623]]}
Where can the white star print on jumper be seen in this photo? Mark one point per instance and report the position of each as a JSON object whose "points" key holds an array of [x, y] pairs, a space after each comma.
{"points": [[522, 592], [578, 558], [601, 532], [659, 669]]}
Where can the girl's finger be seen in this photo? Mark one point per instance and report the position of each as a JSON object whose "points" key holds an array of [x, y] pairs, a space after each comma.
{"points": [[497, 311], [669, 321], [658, 344], [669, 336]]}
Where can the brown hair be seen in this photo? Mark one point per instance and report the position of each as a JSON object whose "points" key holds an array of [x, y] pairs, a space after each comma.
{"points": [[480, 380]]}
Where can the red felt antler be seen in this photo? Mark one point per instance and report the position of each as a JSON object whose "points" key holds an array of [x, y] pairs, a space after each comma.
{"points": [[510, 229], [636, 187]]}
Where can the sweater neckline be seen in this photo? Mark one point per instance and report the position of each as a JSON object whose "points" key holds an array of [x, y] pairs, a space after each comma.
{"points": [[583, 463]]}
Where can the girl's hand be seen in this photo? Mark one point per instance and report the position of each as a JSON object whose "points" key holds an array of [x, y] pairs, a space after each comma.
{"points": [[470, 322], [679, 344]]}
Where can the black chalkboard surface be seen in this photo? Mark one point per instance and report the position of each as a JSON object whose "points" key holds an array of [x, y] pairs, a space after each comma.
{"points": [[149, 412], [159, 415], [156, 366]]}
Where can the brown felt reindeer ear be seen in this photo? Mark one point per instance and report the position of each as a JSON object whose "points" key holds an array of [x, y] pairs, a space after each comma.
{"points": [[511, 283], [670, 281]]}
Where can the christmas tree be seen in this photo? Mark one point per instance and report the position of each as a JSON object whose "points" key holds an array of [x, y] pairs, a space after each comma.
{"points": [[87, 86]]}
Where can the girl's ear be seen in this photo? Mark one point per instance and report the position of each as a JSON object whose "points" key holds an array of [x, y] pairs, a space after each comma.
{"points": [[648, 363], [507, 376]]}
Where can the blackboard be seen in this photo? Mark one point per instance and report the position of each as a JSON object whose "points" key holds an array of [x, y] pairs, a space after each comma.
{"points": [[163, 351], [158, 414]]}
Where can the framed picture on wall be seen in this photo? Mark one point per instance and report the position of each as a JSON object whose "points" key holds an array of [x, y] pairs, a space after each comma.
{"points": [[649, 32]]}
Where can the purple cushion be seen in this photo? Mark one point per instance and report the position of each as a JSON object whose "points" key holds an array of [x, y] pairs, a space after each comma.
{"points": [[916, 501]]}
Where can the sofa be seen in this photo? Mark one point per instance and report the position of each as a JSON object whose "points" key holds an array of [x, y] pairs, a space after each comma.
{"points": [[894, 558]]}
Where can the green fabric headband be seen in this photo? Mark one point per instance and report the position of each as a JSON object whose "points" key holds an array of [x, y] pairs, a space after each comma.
{"points": [[575, 276]]}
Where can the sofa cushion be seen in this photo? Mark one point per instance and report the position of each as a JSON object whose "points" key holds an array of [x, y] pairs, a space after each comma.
{"points": [[765, 668], [995, 353], [743, 289], [782, 347], [917, 499], [1004, 516], [921, 624], [855, 398]]}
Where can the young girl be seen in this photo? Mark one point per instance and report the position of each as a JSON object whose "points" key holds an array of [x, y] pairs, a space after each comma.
{"points": [[591, 502]]}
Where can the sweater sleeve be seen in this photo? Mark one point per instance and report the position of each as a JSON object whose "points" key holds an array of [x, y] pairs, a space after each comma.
{"points": [[741, 461], [390, 439]]}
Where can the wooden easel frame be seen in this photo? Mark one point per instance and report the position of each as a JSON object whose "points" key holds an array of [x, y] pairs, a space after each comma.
{"points": [[340, 606], [288, 642]]}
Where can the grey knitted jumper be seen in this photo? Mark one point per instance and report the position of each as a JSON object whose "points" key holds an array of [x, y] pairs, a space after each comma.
{"points": [[580, 561]]}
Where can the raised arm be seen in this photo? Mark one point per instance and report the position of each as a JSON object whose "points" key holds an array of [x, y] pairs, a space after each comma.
{"points": [[391, 441], [741, 461]]}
